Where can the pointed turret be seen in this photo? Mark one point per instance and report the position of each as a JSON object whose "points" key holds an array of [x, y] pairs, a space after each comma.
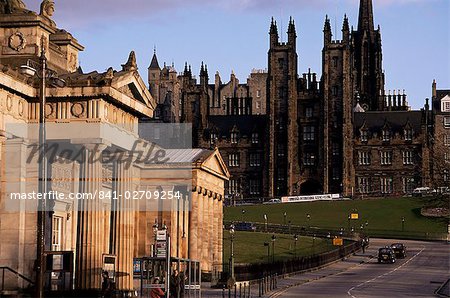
{"points": [[203, 75], [345, 30], [273, 32], [365, 20], [131, 64], [154, 63], [327, 31], [292, 35]]}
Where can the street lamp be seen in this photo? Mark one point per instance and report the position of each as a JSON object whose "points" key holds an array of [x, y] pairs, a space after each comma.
{"points": [[39, 69], [232, 252], [295, 245], [284, 215], [349, 217], [243, 212], [265, 222], [403, 223], [313, 242], [308, 217]]}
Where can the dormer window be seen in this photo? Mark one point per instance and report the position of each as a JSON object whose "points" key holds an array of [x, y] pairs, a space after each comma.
{"points": [[408, 134], [364, 136], [255, 138], [386, 135], [445, 104], [234, 138]]}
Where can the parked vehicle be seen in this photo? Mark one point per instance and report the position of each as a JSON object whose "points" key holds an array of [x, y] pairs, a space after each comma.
{"points": [[245, 226], [423, 191], [273, 201], [386, 255], [399, 250]]}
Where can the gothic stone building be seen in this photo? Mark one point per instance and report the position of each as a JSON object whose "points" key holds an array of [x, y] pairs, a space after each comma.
{"points": [[283, 133]]}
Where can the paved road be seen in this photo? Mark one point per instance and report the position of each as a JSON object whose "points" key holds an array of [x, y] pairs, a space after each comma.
{"points": [[426, 267]]}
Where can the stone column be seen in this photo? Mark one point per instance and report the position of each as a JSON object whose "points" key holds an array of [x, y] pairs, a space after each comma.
{"points": [[193, 237], [124, 228], [220, 236], [89, 245]]}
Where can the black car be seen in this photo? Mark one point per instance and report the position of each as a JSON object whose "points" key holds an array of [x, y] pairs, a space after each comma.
{"points": [[386, 255], [245, 226], [399, 250]]}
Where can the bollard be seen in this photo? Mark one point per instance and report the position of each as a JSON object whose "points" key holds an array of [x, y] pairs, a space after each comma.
{"points": [[235, 290], [240, 290]]}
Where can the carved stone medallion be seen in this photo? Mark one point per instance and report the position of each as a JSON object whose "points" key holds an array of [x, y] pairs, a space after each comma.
{"points": [[77, 109], [17, 41]]}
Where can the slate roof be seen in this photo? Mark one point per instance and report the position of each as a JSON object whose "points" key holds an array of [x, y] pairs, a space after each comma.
{"points": [[154, 63], [396, 120]]}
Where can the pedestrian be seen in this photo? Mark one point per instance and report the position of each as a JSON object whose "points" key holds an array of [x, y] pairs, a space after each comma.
{"points": [[107, 286], [183, 278], [174, 287], [156, 291]]}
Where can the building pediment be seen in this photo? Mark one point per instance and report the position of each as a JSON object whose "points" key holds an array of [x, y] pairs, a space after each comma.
{"points": [[214, 164]]}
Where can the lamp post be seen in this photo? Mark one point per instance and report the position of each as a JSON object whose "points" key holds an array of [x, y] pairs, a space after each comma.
{"points": [[265, 223], [273, 247], [349, 217], [308, 218], [284, 215], [32, 69], [313, 242], [295, 245], [403, 223], [232, 252], [243, 213]]}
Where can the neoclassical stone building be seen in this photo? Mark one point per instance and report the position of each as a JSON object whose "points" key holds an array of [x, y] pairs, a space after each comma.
{"points": [[92, 130]]}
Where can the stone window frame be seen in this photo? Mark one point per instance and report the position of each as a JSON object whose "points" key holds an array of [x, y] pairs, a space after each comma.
{"points": [[408, 134], [363, 158], [309, 133], [255, 138], [234, 137], [386, 135], [386, 158], [364, 185], [408, 157], [364, 135], [445, 106], [57, 232], [309, 159], [233, 159], [335, 149], [446, 121], [213, 137], [255, 159], [336, 174], [255, 186], [386, 185], [408, 184]]}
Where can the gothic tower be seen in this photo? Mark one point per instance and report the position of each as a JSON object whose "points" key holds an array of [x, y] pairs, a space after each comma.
{"points": [[368, 71], [338, 93], [282, 111], [154, 76]]}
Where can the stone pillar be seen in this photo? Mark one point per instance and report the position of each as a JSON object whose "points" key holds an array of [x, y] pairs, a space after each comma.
{"points": [[193, 239], [124, 226], [89, 245], [220, 235]]}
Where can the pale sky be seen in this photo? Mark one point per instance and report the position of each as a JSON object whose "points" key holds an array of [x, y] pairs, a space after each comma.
{"points": [[233, 35]]}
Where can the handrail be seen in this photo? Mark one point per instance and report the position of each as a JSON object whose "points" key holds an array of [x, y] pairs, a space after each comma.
{"points": [[3, 268]]}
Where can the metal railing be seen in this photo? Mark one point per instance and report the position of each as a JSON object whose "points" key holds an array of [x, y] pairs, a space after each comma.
{"points": [[5, 269]]}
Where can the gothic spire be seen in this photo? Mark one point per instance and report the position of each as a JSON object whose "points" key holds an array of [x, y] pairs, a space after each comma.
{"points": [[154, 64], [365, 21], [273, 27]]}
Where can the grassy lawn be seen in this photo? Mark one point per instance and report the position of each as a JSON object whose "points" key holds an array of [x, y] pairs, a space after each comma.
{"points": [[249, 246], [380, 214]]}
